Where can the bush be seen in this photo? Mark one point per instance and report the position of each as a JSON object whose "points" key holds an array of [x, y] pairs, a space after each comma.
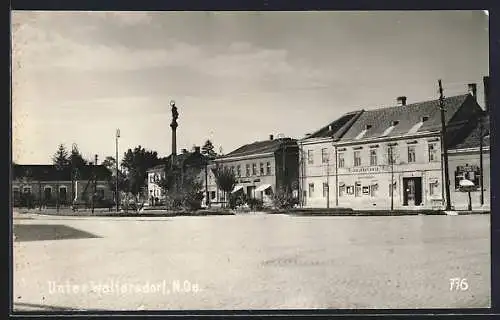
{"points": [[237, 200], [255, 204], [284, 200]]}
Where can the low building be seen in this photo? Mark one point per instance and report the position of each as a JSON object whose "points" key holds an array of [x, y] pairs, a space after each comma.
{"points": [[469, 159], [261, 168], [45, 185], [387, 158]]}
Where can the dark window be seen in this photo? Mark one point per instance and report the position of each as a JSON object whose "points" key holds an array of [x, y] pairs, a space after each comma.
{"points": [[412, 157], [48, 193], [373, 157], [62, 194]]}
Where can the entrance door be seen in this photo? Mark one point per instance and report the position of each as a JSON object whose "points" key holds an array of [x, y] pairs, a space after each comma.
{"points": [[251, 191], [412, 193]]}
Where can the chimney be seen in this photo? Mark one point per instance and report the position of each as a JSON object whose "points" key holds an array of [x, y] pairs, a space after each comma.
{"points": [[184, 151], [271, 137], [486, 82], [472, 90], [330, 128], [197, 149], [401, 101]]}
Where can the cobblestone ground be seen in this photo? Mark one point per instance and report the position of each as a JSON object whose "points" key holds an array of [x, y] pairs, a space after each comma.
{"points": [[251, 262]]}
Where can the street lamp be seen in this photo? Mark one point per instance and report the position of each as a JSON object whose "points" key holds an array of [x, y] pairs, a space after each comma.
{"points": [[117, 198]]}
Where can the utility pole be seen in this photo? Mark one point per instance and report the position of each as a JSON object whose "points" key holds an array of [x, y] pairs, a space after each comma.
{"points": [[444, 147], [336, 178], [95, 183], [117, 196], [481, 181], [328, 181], [283, 163], [391, 160]]}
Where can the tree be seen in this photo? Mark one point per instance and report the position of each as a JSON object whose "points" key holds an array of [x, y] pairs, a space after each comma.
{"points": [[76, 159], [110, 164], [208, 150], [60, 158], [135, 164], [186, 193], [225, 179]]}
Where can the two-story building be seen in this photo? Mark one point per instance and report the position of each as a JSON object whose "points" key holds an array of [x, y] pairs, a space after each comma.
{"points": [[387, 157], [34, 185], [189, 162], [317, 163], [261, 168]]}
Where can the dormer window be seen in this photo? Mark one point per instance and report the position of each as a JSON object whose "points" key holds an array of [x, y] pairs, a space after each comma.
{"points": [[424, 118], [368, 127], [395, 123]]}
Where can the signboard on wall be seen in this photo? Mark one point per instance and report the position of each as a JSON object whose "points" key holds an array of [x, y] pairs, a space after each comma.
{"points": [[468, 172], [366, 189]]}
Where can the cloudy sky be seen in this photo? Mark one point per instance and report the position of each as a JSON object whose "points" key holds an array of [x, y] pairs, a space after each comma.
{"points": [[236, 77]]}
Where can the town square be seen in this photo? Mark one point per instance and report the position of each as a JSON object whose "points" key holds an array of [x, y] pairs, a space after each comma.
{"points": [[249, 162], [254, 261]]}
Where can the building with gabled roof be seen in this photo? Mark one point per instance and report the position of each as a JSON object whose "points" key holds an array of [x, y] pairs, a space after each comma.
{"points": [[386, 157], [314, 169], [261, 168], [46, 185]]}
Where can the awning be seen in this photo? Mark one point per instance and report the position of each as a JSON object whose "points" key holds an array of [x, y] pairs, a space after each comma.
{"points": [[236, 189], [466, 183], [341, 184], [263, 187], [433, 180]]}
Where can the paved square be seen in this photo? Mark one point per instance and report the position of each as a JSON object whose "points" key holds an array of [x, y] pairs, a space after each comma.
{"points": [[252, 262]]}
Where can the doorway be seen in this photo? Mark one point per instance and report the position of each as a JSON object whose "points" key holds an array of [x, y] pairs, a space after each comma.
{"points": [[251, 192], [412, 191]]}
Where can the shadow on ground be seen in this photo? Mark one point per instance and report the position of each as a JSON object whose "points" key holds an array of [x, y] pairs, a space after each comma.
{"points": [[32, 307], [38, 232]]}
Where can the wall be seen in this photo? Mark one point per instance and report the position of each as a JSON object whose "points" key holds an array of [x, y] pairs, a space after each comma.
{"points": [[38, 189], [374, 180], [153, 189], [459, 200], [243, 179]]}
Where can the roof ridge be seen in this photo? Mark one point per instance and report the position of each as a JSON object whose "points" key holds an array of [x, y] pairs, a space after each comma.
{"points": [[417, 103]]}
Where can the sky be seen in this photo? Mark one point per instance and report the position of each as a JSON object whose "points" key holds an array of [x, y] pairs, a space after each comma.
{"points": [[236, 77]]}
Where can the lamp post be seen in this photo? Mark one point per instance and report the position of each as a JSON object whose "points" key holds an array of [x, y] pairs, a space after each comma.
{"points": [[481, 169], [117, 196]]}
